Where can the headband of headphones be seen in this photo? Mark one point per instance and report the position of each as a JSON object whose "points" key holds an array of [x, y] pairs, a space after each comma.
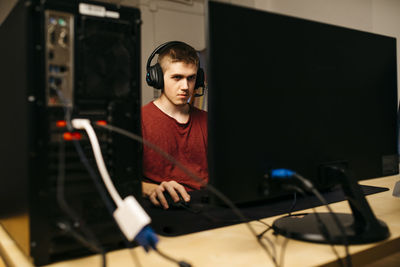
{"points": [[155, 76]]}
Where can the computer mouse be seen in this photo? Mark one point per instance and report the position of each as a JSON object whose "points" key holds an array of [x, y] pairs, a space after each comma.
{"points": [[180, 204]]}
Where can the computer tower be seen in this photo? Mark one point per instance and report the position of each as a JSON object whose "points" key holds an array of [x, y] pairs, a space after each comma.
{"points": [[58, 56]]}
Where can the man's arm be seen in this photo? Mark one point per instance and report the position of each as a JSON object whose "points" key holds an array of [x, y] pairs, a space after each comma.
{"points": [[155, 192]]}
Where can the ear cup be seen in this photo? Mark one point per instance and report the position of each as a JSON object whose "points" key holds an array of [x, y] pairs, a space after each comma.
{"points": [[154, 77], [199, 78]]}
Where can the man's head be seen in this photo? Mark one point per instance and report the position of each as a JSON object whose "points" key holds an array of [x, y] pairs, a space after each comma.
{"points": [[176, 72], [170, 52]]}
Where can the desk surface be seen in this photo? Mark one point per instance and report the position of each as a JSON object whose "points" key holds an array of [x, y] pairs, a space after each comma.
{"points": [[235, 246]]}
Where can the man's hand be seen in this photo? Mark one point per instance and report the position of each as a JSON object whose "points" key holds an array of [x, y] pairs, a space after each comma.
{"points": [[156, 192]]}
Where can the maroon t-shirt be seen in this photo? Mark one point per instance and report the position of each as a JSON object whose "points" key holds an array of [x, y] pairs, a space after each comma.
{"points": [[187, 143]]}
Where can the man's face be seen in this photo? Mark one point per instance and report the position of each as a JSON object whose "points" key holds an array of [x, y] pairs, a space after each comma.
{"points": [[179, 82]]}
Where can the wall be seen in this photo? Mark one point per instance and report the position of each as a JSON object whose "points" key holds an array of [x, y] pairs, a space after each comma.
{"points": [[351, 13], [386, 20], [165, 21]]}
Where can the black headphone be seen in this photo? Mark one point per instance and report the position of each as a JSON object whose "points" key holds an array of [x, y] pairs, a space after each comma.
{"points": [[155, 76]]}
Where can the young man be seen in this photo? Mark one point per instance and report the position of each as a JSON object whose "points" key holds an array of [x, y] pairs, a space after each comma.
{"points": [[175, 126]]}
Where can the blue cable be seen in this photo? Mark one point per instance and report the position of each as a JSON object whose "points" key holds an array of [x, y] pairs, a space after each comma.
{"points": [[282, 173], [147, 238]]}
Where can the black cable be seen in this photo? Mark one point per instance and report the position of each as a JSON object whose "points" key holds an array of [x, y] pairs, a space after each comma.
{"points": [[266, 224], [283, 250], [338, 223], [265, 231], [60, 188], [269, 227], [60, 184], [293, 203], [325, 232], [134, 257], [165, 256], [193, 176], [284, 245], [323, 229], [84, 241], [261, 237], [310, 187], [90, 241]]}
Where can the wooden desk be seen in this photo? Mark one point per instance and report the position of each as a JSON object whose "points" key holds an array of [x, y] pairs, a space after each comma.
{"points": [[235, 246]]}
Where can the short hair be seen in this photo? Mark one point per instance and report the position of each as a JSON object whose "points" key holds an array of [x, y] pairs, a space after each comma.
{"points": [[179, 52]]}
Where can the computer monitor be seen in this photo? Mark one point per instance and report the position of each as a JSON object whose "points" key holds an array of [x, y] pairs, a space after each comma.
{"points": [[286, 92]]}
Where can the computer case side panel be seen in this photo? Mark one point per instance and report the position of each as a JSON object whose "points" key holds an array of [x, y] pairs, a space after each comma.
{"points": [[15, 83]]}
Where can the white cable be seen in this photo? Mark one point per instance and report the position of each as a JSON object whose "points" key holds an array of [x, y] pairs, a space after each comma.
{"points": [[130, 216], [85, 124]]}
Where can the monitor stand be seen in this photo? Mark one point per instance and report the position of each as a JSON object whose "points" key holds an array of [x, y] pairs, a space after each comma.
{"points": [[360, 227]]}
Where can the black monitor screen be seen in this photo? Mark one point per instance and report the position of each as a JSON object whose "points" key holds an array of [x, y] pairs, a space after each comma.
{"points": [[291, 93]]}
